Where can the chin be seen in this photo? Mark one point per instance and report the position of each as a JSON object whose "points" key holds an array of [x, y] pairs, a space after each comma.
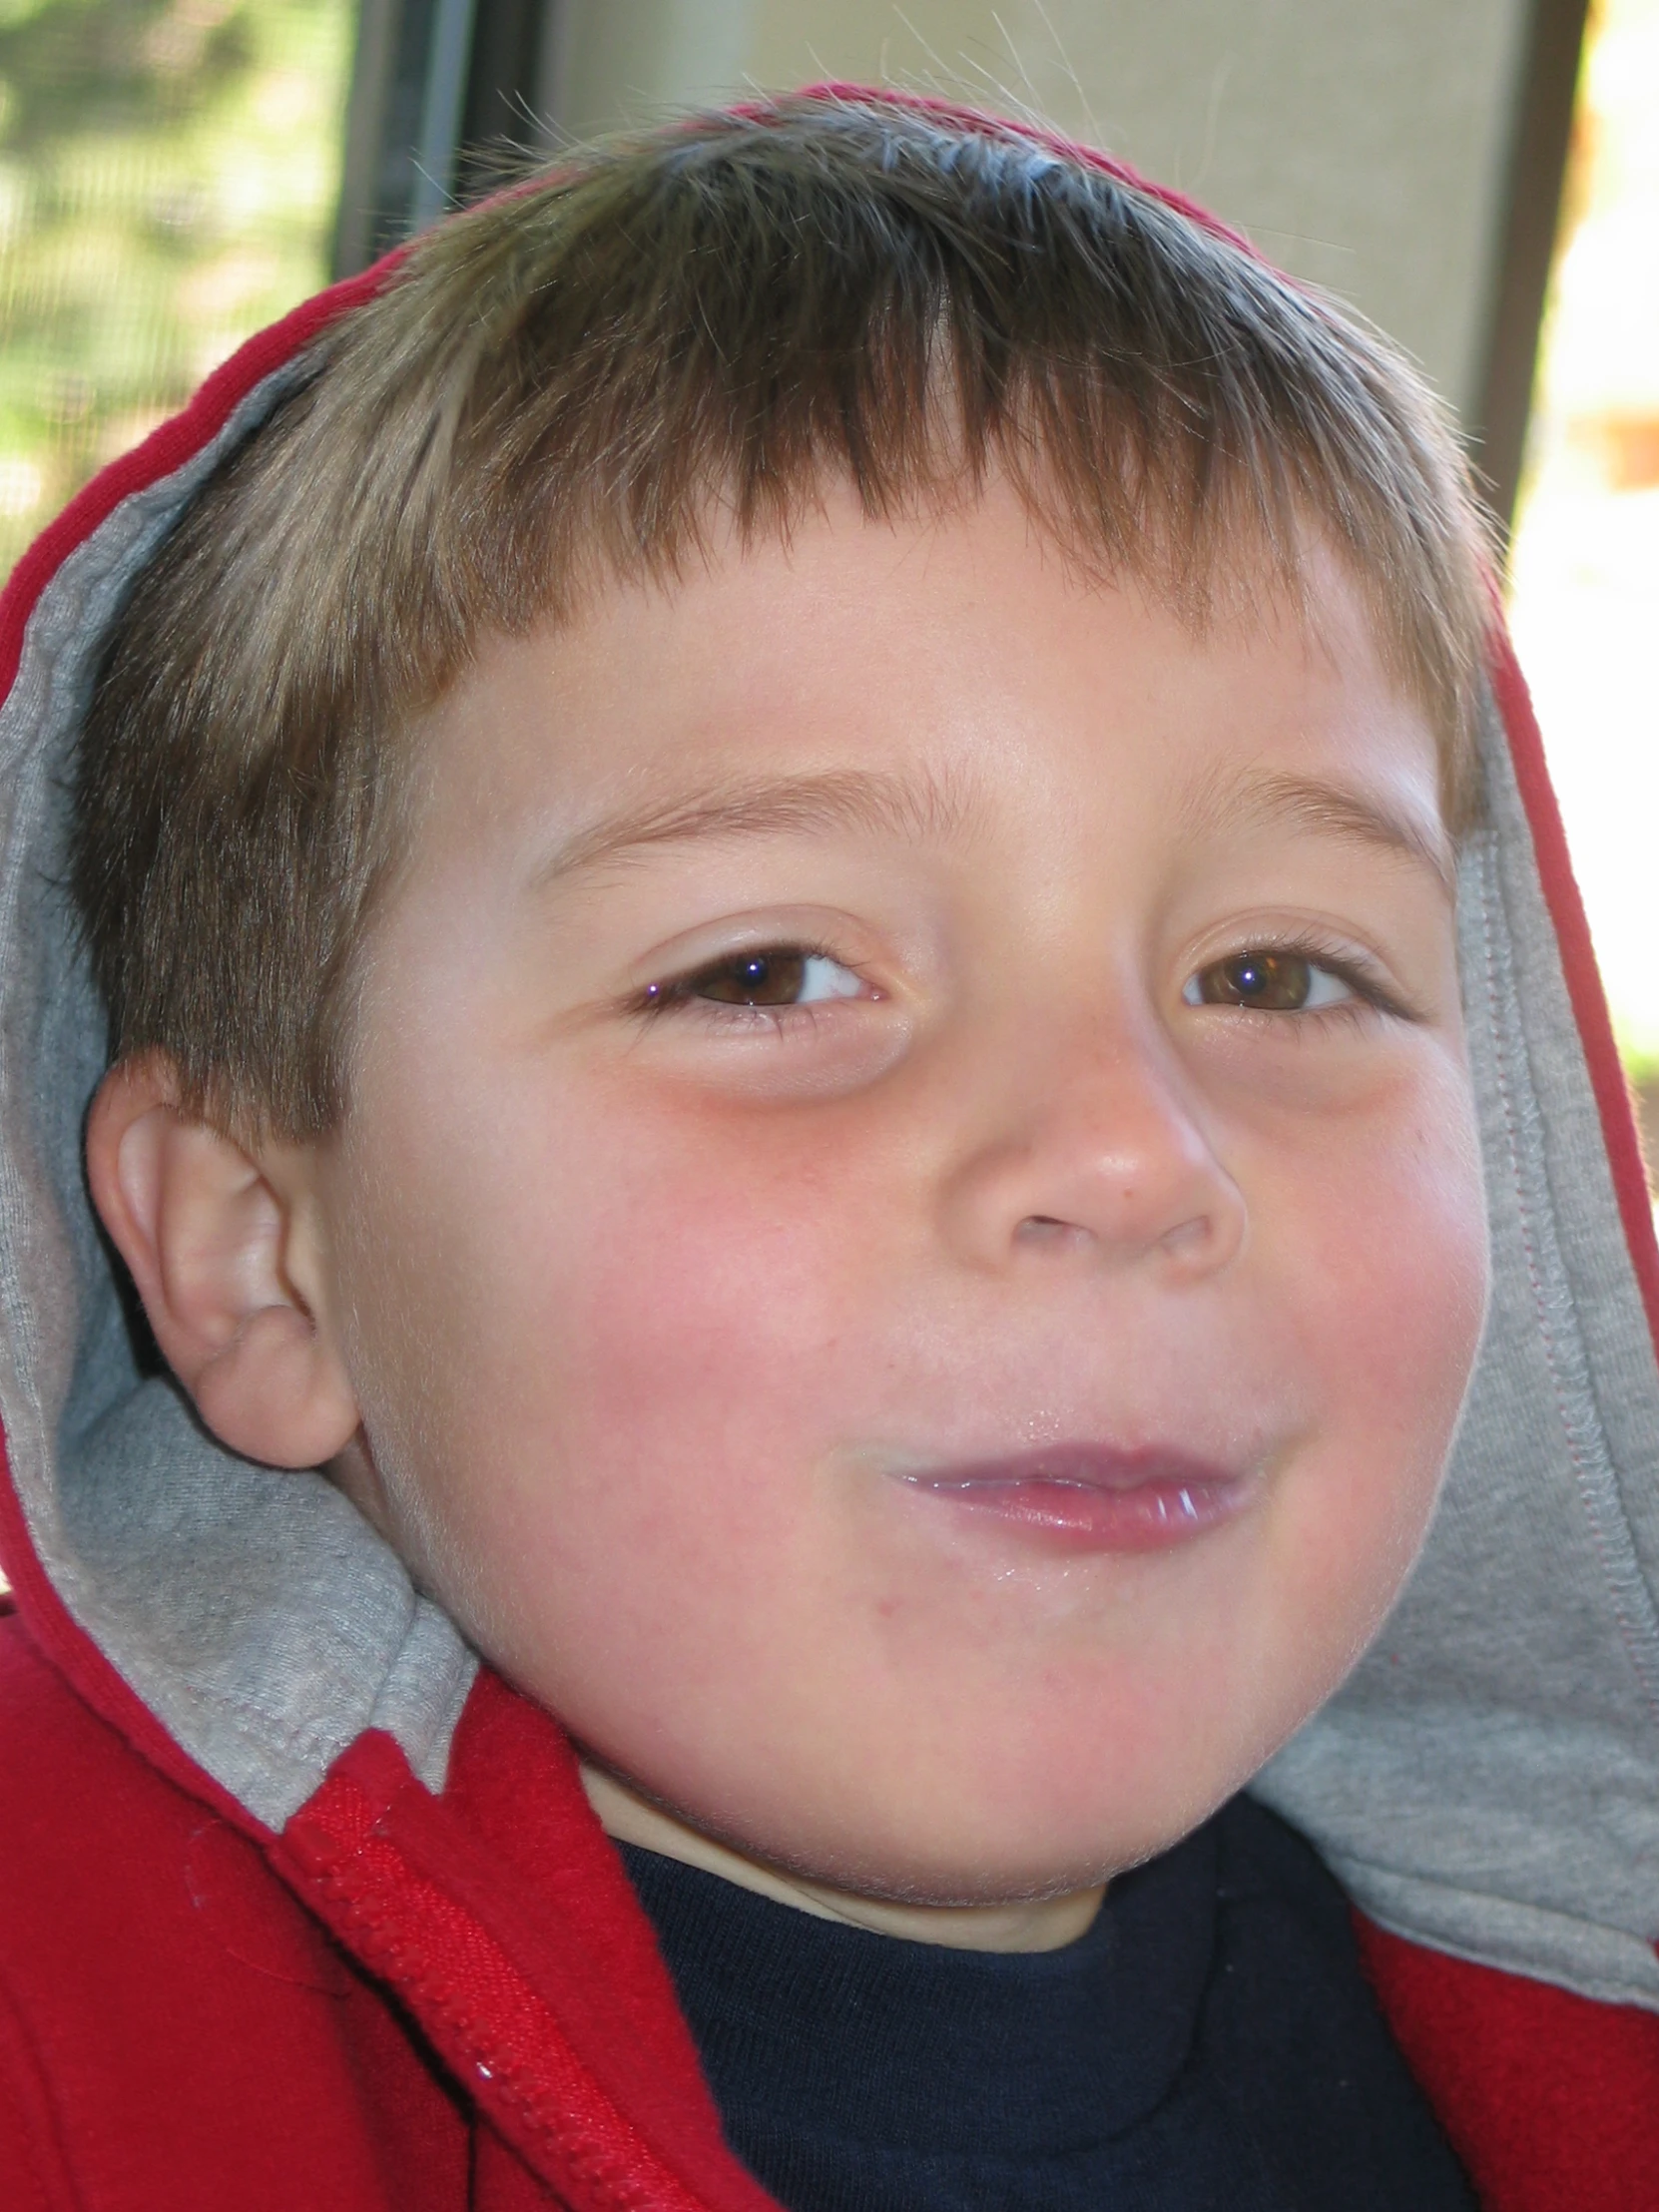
{"points": [[962, 1857]]}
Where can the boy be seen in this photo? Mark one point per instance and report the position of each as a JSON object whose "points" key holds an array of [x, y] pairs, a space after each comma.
{"points": [[771, 849]]}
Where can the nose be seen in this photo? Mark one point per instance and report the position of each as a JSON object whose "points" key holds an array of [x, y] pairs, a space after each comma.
{"points": [[1103, 1159]]}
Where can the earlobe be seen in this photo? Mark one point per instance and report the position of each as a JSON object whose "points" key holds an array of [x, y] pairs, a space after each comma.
{"points": [[223, 1253]]}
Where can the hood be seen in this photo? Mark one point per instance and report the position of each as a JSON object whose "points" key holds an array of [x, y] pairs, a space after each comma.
{"points": [[1486, 1783], [242, 1627]]}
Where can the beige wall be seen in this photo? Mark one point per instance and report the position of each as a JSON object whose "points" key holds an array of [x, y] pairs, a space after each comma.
{"points": [[1361, 143]]}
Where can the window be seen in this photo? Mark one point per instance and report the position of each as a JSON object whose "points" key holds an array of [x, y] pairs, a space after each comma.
{"points": [[169, 172]]}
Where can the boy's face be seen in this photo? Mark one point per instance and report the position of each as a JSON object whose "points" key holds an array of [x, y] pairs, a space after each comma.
{"points": [[941, 1425]]}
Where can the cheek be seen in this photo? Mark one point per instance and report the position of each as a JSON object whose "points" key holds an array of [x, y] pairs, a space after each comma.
{"points": [[632, 1326], [710, 1297], [1387, 1269], [1414, 1287]]}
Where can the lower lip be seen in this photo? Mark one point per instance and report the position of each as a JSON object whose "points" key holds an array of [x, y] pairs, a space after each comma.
{"points": [[1139, 1506]]}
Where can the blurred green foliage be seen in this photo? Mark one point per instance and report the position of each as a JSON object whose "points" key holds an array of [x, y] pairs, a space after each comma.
{"points": [[168, 177]]}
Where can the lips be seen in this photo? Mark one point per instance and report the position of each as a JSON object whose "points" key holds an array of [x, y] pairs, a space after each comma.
{"points": [[1092, 1497]]}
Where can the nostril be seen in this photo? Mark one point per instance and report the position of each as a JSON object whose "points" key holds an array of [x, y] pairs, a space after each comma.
{"points": [[1198, 1240], [1046, 1229]]}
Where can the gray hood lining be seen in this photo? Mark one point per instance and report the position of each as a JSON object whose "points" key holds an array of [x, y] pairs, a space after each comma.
{"points": [[255, 1612]]}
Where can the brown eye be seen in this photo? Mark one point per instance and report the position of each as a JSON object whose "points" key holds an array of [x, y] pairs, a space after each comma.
{"points": [[752, 979], [1271, 983], [770, 980]]}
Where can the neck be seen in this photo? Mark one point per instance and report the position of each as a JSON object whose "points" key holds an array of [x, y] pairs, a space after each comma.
{"points": [[1014, 1925]]}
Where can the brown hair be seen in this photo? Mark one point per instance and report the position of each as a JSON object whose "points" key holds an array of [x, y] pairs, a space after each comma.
{"points": [[567, 381]]}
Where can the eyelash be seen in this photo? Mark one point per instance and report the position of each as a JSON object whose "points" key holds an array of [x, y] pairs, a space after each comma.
{"points": [[1370, 994], [678, 994]]}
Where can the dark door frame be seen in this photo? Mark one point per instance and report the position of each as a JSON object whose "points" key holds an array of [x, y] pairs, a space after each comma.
{"points": [[445, 93]]}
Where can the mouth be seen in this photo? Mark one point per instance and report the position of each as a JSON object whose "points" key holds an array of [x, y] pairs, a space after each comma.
{"points": [[1093, 1498]]}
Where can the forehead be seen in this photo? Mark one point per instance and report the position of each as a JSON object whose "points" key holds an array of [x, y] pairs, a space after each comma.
{"points": [[951, 661]]}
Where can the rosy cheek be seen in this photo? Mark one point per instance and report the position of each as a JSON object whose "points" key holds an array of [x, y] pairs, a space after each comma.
{"points": [[677, 1314], [752, 1225], [1394, 1293]]}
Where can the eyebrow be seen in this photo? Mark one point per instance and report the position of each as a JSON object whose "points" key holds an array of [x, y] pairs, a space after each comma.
{"points": [[924, 806], [1345, 811], [920, 806]]}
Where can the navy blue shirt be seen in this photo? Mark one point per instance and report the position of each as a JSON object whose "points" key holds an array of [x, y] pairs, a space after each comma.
{"points": [[1209, 2041]]}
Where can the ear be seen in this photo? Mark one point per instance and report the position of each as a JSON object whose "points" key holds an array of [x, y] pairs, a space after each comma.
{"points": [[225, 1248]]}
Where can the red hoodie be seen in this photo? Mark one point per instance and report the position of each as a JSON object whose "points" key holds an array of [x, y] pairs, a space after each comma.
{"points": [[300, 1907]]}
